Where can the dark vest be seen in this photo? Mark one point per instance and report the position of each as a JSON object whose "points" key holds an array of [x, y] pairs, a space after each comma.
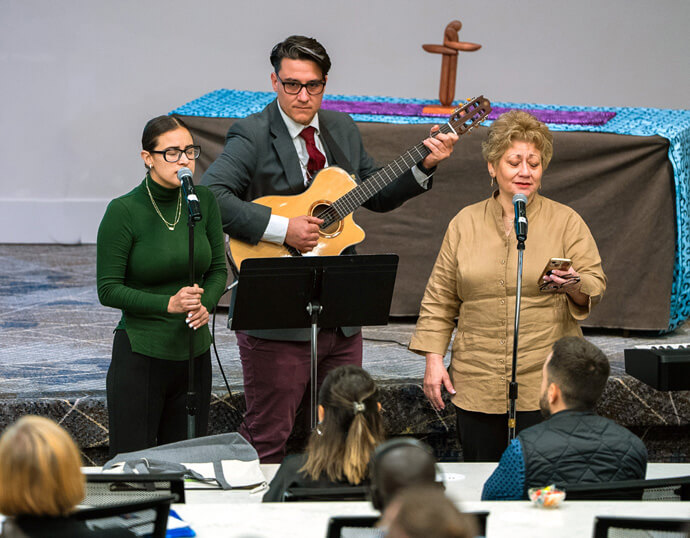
{"points": [[581, 447]]}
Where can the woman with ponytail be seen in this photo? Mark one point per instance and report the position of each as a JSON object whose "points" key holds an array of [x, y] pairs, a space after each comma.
{"points": [[338, 452]]}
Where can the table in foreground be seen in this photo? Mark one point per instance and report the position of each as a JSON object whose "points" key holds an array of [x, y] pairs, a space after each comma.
{"points": [[506, 518], [240, 513], [463, 481]]}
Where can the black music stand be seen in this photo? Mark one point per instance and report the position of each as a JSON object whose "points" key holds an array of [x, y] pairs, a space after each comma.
{"points": [[314, 292]]}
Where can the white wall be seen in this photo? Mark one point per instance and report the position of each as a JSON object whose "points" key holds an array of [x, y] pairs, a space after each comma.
{"points": [[79, 78]]}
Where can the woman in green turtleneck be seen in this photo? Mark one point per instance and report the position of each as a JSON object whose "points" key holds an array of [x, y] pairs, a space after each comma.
{"points": [[142, 266]]}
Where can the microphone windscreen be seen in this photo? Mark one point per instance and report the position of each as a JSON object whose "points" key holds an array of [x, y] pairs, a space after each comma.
{"points": [[517, 198], [184, 172]]}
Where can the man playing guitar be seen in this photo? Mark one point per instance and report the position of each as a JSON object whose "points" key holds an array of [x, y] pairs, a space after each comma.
{"points": [[278, 152]]}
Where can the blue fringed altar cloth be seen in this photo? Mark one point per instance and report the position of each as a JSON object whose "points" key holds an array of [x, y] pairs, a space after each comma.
{"points": [[673, 125]]}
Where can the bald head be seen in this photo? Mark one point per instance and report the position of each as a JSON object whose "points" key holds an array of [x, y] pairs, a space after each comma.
{"points": [[397, 464]]}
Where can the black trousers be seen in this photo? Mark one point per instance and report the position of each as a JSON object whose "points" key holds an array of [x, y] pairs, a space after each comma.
{"points": [[147, 398], [484, 436]]}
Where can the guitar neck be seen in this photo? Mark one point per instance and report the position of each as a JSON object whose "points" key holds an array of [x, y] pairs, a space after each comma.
{"points": [[461, 121], [375, 183]]}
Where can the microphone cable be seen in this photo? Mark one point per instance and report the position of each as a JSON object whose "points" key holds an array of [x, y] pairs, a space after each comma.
{"points": [[215, 350], [213, 337]]}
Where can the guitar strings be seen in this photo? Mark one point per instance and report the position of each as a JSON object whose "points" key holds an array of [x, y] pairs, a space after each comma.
{"points": [[351, 200], [360, 194]]}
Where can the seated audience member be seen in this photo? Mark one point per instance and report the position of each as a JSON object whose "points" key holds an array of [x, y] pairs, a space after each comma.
{"points": [[397, 464], [340, 447], [574, 444], [423, 512], [42, 482]]}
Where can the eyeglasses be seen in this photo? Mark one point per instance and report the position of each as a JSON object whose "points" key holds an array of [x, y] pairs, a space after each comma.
{"points": [[172, 155], [314, 87]]}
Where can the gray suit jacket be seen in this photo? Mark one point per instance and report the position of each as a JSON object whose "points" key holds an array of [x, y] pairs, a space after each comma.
{"points": [[259, 159]]}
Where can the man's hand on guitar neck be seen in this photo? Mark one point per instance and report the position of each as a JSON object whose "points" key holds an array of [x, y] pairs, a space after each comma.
{"points": [[303, 232], [440, 146]]}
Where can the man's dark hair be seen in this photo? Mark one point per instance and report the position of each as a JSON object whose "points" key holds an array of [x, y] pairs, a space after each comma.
{"points": [[397, 464], [298, 47], [580, 369]]}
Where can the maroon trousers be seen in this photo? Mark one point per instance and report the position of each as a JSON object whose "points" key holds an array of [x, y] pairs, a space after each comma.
{"points": [[277, 375]]}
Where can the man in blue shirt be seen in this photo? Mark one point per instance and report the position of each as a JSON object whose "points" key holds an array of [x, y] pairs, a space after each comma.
{"points": [[574, 444]]}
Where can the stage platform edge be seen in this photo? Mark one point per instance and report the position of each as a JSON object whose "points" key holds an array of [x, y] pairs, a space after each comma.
{"points": [[661, 419]]}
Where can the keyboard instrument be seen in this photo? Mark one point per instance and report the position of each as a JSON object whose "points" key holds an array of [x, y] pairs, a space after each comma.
{"points": [[662, 366]]}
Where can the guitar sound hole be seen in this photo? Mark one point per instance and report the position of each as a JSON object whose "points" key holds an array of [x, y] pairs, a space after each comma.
{"points": [[318, 210]]}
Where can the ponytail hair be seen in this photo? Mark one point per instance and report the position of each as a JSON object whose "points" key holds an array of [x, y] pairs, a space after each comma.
{"points": [[342, 445]]}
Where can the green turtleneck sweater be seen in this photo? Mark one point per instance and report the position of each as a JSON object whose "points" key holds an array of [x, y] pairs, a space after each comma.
{"points": [[141, 264]]}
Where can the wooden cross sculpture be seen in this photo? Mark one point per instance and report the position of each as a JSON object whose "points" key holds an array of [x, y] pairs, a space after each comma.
{"points": [[449, 64]]}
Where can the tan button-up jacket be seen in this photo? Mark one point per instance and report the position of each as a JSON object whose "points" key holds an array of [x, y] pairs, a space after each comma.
{"points": [[474, 279]]}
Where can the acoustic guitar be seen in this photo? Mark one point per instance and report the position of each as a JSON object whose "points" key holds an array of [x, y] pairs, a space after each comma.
{"points": [[334, 195]]}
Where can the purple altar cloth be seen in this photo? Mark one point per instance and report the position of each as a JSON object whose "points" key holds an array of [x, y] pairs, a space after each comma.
{"points": [[373, 107], [572, 117], [575, 117]]}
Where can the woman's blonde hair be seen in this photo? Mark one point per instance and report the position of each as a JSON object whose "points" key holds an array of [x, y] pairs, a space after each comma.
{"points": [[40, 472], [517, 126], [352, 427]]}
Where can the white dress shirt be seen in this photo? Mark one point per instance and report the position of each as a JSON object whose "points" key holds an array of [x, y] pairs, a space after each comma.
{"points": [[277, 226]]}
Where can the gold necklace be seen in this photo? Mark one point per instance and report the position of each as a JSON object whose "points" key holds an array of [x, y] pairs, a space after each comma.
{"points": [[170, 226]]}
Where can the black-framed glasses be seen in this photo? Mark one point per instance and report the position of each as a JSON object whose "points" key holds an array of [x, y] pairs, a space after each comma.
{"points": [[314, 87], [172, 155]]}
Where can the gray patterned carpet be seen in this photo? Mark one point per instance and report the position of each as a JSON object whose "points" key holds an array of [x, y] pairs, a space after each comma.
{"points": [[55, 337], [55, 343]]}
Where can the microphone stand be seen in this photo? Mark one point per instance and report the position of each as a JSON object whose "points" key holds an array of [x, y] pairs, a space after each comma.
{"points": [[513, 387], [191, 391], [193, 215]]}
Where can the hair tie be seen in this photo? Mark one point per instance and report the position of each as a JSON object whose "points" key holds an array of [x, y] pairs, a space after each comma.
{"points": [[358, 407]]}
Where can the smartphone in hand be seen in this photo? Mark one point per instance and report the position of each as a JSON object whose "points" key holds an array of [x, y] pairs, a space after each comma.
{"points": [[560, 264]]}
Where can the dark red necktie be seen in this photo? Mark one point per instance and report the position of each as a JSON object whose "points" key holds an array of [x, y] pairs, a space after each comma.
{"points": [[317, 160]]}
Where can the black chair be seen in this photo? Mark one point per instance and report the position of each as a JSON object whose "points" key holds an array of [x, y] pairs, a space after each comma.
{"points": [[481, 518], [624, 527], [104, 489], [659, 489], [337, 523], [148, 517], [344, 493]]}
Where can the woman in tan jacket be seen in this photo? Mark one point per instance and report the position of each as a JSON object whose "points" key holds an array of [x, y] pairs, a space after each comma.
{"points": [[474, 280]]}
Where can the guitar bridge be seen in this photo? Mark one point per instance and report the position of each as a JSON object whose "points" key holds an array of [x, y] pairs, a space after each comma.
{"points": [[292, 250]]}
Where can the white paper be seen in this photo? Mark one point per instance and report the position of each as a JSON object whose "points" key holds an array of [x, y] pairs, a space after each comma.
{"points": [[242, 474]]}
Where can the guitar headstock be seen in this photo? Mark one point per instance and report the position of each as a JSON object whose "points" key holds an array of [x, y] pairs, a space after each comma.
{"points": [[469, 115]]}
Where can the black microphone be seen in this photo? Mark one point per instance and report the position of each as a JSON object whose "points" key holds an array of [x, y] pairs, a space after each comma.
{"points": [[520, 203], [185, 177]]}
